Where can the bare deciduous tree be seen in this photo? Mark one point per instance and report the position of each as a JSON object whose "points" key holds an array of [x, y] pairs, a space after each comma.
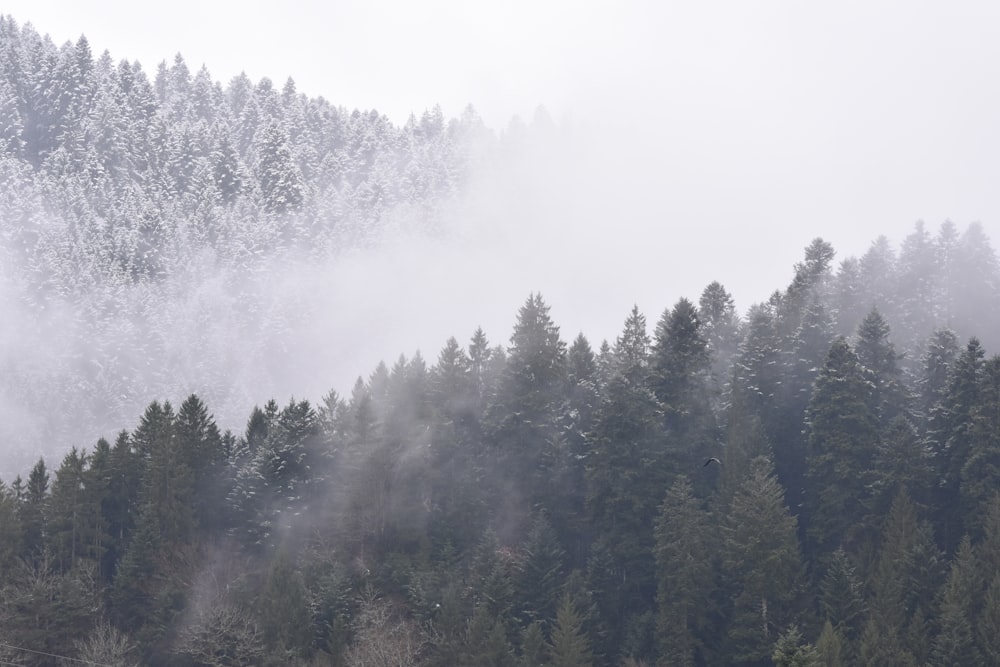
{"points": [[383, 638], [222, 634]]}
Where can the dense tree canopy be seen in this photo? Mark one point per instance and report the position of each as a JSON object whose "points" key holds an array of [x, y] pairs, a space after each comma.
{"points": [[813, 482]]}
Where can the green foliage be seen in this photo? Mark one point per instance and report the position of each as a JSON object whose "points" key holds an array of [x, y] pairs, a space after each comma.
{"points": [[761, 558], [951, 427], [790, 651], [569, 646], [988, 625], [904, 583], [980, 474], [842, 601], [524, 416], [33, 513], [283, 613], [681, 380], [829, 647], [684, 559], [534, 648], [47, 610], [626, 472], [954, 643], [541, 576], [887, 398], [842, 436], [486, 642], [443, 513]]}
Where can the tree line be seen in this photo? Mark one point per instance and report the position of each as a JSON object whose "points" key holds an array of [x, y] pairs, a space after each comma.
{"points": [[546, 503], [126, 190], [530, 502]]}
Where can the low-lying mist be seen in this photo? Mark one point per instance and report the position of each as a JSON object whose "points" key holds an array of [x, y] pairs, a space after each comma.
{"points": [[550, 208]]}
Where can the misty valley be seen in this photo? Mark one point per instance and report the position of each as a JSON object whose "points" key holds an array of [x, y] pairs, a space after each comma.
{"points": [[814, 481]]}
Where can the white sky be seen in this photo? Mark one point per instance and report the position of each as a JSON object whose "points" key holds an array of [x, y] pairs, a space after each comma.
{"points": [[719, 137]]}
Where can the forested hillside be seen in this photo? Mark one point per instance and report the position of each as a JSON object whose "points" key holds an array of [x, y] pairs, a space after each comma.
{"points": [[811, 482], [146, 216], [549, 503]]}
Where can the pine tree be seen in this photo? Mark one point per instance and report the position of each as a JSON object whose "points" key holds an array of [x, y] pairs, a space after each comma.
{"points": [[10, 532], [451, 382], [684, 575], [829, 647], [888, 397], [939, 358], [842, 438], [167, 494], [454, 466], [486, 642], [847, 303], [631, 352], [283, 613], [988, 549], [577, 421], [70, 520], [917, 292], [761, 558], [757, 378], [876, 272], [541, 575], [282, 186], [201, 450], [479, 367], [977, 278], [99, 546], [681, 371], [524, 416], [950, 432], [842, 602], [954, 643], [121, 506], [980, 475], [790, 651], [533, 646], [902, 461], [626, 472], [988, 623], [808, 348], [33, 513], [904, 581], [491, 579], [569, 646], [721, 328]]}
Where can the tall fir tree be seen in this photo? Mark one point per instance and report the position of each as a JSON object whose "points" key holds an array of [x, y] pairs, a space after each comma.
{"points": [[524, 417], [950, 438], [932, 386], [762, 562], [954, 644], [33, 513], [980, 474], [888, 398], [842, 438], [680, 376], [842, 602], [626, 472], [684, 560], [721, 327], [569, 645], [71, 520]]}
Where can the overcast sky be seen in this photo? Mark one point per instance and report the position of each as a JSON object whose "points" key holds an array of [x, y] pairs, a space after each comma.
{"points": [[714, 140]]}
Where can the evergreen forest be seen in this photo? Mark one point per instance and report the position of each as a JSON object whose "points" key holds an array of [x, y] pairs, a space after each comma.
{"points": [[811, 482]]}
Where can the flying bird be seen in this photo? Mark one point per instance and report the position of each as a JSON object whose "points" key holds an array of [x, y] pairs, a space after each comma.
{"points": [[710, 460]]}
